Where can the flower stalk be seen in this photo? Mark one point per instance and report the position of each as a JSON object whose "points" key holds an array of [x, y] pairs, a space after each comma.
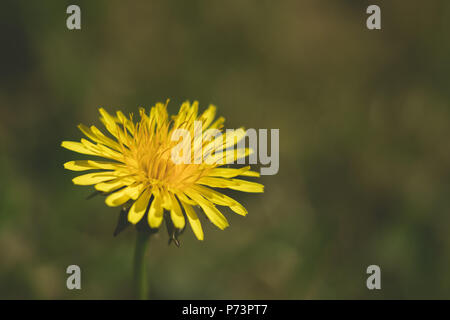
{"points": [[139, 269]]}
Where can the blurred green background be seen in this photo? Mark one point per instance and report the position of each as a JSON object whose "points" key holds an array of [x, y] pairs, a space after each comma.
{"points": [[364, 155]]}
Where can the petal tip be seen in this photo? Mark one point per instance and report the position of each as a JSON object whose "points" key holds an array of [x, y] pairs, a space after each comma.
{"points": [[67, 165]]}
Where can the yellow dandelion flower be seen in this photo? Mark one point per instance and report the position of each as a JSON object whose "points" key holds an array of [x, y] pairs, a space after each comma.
{"points": [[139, 172]]}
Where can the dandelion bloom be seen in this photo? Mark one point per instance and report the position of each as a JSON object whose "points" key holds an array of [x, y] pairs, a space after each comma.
{"points": [[140, 173]]}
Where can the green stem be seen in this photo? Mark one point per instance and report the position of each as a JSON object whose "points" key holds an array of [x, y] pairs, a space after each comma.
{"points": [[140, 276]]}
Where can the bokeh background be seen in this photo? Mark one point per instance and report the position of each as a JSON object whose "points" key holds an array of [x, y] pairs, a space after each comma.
{"points": [[364, 123]]}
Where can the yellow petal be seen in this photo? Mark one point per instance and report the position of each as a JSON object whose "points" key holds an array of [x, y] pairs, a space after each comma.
{"points": [[134, 190], [139, 207], [235, 184], [77, 147], [213, 214], [105, 140], [117, 198], [213, 196], [155, 214], [82, 165], [228, 156], [216, 182], [102, 150], [192, 112], [181, 116], [193, 220], [250, 174], [165, 199], [247, 186], [94, 178], [126, 122], [233, 137], [175, 213], [109, 122], [112, 185], [98, 136], [161, 115], [228, 139], [218, 124], [220, 199], [185, 199], [207, 116], [231, 173]]}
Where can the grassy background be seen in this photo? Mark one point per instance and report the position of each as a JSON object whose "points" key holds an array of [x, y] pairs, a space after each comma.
{"points": [[364, 155]]}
